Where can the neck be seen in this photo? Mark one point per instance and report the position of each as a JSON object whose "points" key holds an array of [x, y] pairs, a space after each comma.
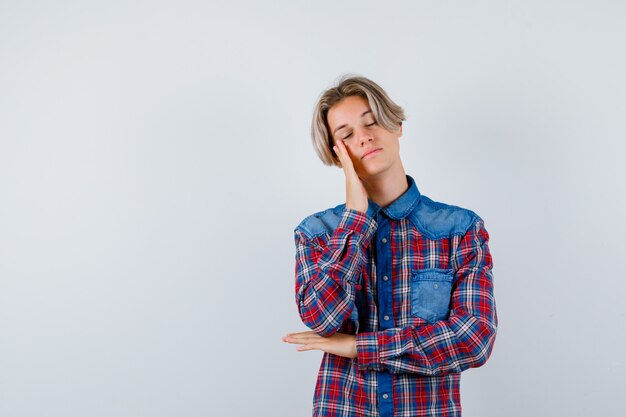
{"points": [[387, 186]]}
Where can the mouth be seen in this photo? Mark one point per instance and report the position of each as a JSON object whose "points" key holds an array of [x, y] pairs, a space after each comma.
{"points": [[371, 152]]}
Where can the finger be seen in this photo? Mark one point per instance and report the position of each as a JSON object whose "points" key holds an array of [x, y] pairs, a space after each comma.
{"points": [[339, 155], [301, 334], [303, 339], [344, 157], [310, 346], [342, 151]]}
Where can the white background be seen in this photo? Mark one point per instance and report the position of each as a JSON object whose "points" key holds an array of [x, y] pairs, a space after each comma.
{"points": [[155, 158]]}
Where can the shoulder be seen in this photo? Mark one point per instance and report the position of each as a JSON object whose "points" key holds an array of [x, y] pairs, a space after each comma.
{"points": [[321, 222], [437, 220]]}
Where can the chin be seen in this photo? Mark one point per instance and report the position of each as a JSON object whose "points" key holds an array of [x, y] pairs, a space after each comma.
{"points": [[374, 169], [370, 173]]}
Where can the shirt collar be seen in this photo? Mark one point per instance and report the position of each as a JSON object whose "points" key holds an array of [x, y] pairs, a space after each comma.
{"points": [[401, 206]]}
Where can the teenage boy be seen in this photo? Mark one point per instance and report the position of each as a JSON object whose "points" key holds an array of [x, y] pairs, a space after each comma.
{"points": [[397, 288]]}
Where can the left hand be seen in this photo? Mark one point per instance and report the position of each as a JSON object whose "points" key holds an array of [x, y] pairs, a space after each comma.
{"points": [[338, 344]]}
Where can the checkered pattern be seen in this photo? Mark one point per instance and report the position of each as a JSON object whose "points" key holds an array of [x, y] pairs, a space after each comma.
{"points": [[422, 360]]}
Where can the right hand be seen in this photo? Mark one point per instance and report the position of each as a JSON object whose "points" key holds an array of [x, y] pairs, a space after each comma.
{"points": [[356, 195]]}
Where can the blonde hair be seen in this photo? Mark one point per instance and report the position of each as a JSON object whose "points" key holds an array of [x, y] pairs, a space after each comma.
{"points": [[387, 113]]}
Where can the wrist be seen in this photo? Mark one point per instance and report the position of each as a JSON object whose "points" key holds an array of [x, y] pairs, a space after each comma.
{"points": [[357, 207]]}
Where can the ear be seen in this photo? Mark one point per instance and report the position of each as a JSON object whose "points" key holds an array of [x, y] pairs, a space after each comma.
{"points": [[400, 131]]}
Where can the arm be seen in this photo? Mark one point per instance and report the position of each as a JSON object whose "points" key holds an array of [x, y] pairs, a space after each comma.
{"points": [[464, 340], [327, 272]]}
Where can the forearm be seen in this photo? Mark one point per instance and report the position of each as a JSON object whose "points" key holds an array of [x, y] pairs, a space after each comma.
{"points": [[454, 345], [329, 273]]}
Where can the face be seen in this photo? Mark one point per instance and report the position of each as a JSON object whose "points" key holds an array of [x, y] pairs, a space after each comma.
{"points": [[372, 148]]}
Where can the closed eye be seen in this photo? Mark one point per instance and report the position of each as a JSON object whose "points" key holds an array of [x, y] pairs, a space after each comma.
{"points": [[350, 134]]}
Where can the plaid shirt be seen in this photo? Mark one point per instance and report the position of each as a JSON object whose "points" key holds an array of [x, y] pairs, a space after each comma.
{"points": [[413, 282]]}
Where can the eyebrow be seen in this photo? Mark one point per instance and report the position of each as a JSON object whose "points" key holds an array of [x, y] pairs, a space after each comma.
{"points": [[344, 125]]}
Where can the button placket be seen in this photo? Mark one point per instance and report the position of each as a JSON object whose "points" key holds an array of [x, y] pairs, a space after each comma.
{"points": [[385, 310]]}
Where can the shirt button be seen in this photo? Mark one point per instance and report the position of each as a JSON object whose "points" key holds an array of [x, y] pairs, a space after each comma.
{"points": [[386, 317], [385, 278], [385, 396], [384, 240], [436, 286]]}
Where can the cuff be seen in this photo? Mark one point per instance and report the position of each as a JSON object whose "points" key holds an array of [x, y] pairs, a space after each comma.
{"points": [[360, 223], [367, 353]]}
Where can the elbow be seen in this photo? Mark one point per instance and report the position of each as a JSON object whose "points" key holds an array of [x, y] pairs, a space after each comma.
{"points": [[315, 321], [325, 314], [481, 352], [325, 331]]}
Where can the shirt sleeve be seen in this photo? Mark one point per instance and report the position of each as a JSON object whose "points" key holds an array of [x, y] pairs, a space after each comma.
{"points": [[464, 340], [328, 271]]}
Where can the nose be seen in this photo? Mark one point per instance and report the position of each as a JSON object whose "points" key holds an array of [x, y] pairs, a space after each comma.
{"points": [[363, 136]]}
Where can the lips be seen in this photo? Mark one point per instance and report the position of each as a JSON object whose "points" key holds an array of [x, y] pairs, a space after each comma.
{"points": [[371, 151]]}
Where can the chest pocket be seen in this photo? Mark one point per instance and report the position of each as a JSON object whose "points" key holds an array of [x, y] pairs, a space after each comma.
{"points": [[430, 294]]}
